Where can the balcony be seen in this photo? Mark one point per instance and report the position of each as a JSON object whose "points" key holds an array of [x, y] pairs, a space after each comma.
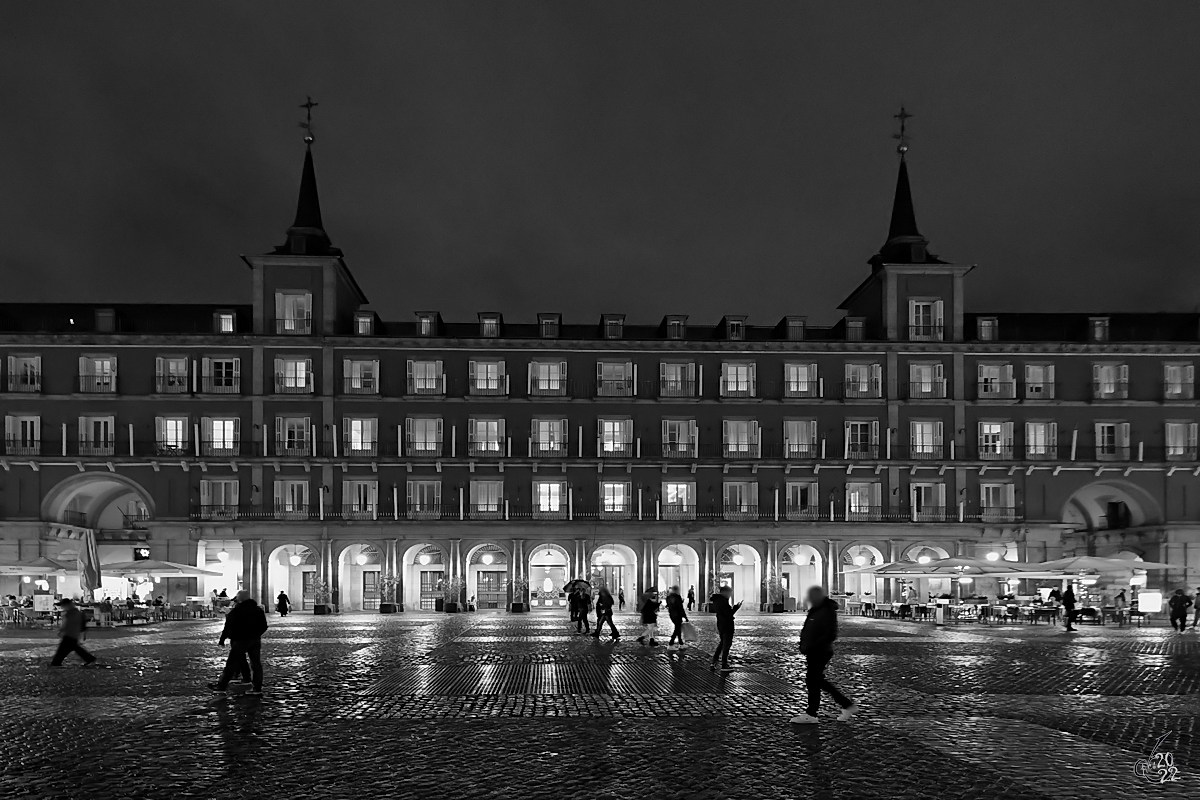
{"points": [[740, 450], [361, 384], [547, 387], [1110, 390], [428, 385], [30, 382], [1039, 390], [359, 448], [1179, 452], [995, 390], [994, 451], [925, 333], [926, 451], [294, 326], [293, 384], [485, 449], [679, 449], [98, 383], [360, 511], [428, 512], [859, 513], [740, 512], [486, 510], [16, 446], [801, 450], [858, 452], [223, 448], [1173, 390], [1109, 452], [737, 389], [671, 387], [1041, 452], [296, 511], [487, 387], [550, 511], [547, 449], [171, 384], [614, 449], [105, 447], [215, 511], [293, 447], [998, 514], [678, 511], [423, 448], [855, 390], [221, 384], [614, 387], [176, 449], [798, 513], [796, 388], [927, 390], [932, 514]]}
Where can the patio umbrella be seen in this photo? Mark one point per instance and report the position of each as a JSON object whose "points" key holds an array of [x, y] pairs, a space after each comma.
{"points": [[89, 563], [38, 566], [156, 569], [1098, 564]]}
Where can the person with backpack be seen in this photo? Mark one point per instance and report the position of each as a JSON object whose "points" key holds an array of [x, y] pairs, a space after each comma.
{"points": [[649, 611], [244, 626], [70, 632], [816, 644], [604, 612], [678, 616]]}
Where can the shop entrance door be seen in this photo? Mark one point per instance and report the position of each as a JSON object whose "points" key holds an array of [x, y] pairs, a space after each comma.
{"points": [[608, 575], [489, 589], [431, 590], [308, 590], [370, 591]]}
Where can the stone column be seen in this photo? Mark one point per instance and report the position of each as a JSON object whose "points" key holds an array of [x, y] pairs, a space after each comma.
{"points": [[831, 566], [644, 573], [398, 571], [253, 574]]}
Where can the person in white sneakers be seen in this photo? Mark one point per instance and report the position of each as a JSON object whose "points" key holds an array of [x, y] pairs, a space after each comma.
{"points": [[816, 643]]}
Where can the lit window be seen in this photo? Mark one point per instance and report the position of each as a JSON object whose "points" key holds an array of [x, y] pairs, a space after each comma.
{"points": [[548, 326], [364, 324], [736, 329], [1099, 328], [225, 322], [293, 312], [426, 325]]}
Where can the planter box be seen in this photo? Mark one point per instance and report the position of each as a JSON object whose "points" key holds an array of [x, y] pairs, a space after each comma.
{"points": [[322, 608], [777, 608], [439, 604], [451, 608], [388, 608], [518, 608]]}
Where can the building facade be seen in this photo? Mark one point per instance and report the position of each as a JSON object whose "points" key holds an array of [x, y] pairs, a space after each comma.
{"points": [[302, 443]]}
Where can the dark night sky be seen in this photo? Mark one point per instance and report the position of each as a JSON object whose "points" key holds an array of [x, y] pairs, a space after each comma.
{"points": [[603, 157]]}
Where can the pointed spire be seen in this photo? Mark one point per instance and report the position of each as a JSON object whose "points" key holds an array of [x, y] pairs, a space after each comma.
{"points": [[307, 235], [308, 207], [904, 218], [905, 244]]}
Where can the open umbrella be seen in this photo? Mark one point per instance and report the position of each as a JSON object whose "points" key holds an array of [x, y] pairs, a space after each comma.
{"points": [[38, 566], [1099, 564], [156, 569], [578, 583]]}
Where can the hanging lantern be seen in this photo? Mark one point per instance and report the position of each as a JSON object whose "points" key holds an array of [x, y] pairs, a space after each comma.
{"points": [[486, 558]]}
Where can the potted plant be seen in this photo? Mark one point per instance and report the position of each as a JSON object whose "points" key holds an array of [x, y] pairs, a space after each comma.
{"points": [[520, 595], [451, 595], [321, 599], [775, 595], [388, 602]]}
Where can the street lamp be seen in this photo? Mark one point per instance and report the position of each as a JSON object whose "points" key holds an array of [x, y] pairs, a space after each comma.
{"points": [[993, 556]]}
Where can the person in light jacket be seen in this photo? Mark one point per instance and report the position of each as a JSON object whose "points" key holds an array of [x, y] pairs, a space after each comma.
{"points": [[816, 643]]}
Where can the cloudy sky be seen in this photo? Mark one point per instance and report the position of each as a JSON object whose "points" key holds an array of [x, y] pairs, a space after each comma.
{"points": [[644, 158]]}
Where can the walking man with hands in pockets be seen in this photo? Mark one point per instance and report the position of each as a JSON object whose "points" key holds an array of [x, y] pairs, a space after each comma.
{"points": [[816, 643]]}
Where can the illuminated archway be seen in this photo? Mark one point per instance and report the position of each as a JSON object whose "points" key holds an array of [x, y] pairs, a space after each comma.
{"points": [[487, 575], [294, 569], [424, 566], [861, 585], [98, 500], [549, 568], [679, 565], [1110, 505], [740, 567], [800, 568], [359, 566]]}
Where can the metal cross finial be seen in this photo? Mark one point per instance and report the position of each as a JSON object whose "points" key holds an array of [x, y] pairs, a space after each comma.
{"points": [[308, 106], [902, 136]]}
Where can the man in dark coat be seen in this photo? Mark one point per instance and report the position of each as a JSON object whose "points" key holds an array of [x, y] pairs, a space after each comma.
{"points": [[724, 611], [816, 643], [1068, 601], [244, 626]]}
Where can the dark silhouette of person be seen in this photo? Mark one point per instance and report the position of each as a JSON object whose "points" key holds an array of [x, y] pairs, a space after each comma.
{"points": [[816, 643]]}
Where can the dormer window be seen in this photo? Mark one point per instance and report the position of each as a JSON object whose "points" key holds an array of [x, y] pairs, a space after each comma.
{"points": [[106, 320], [854, 329], [426, 324], [548, 325], [676, 327], [489, 325], [795, 328], [224, 322], [735, 329], [364, 323], [613, 326], [988, 329], [1098, 329]]}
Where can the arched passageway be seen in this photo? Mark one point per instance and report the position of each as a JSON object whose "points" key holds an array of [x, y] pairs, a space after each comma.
{"points": [[101, 500], [549, 568], [293, 568]]}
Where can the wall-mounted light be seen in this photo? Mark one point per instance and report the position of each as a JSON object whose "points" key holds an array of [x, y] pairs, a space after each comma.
{"points": [[424, 559], [739, 559], [860, 560], [993, 556], [486, 558], [294, 559], [223, 556], [360, 559], [27, 579]]}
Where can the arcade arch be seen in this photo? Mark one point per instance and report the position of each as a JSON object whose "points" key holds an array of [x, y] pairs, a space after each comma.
{"points": [[424, 567], [293, 568], [101, 500], [549, 571]]}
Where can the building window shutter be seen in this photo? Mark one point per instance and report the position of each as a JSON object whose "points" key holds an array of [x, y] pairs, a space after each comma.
{"points": [[500, 432], [937, 434], [158, 367], [83, 366], [237, 429], [346, 370], [941, 493], [874, 433], [1096, 374], [1192, 435], [529, 377], [812, 432], [308, 374], [278, 369], [599, 436], [1189, 381], [501, 368], [753, 378], [410, 376], [724, 378], [278, 495], [438, 433], [665, 440], [1049, 380], [408, 494], [237, 371], [939, 307], [876, 379], [160, 429], [206, 430], [725, 431], [1096, 432], [562, 373], [1007, 436], [375, 375], [8, 428], [938, 373], [563, 422], [206, 493], [470, 431], [206, 367], [408, 433], [1052, 437], [278, 433], [1123, 434]]}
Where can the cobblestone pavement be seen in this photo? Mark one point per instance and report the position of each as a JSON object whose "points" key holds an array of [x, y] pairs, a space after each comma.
{"points": [[516, 706]]}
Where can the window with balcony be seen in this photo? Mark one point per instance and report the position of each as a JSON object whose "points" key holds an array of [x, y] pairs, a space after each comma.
{"points": [[291, 498], [741, 500], [927, 501], [489, 325], [96, 436], [1041, 440], [24, 373], [485, 437], [360, 377], [1181, 441], [424, 499], [737, 379], [1179, 381], [997, 502], [987, 329], [364, 323], [615, 379], [800, 380], [800, 438], [98, 374], [1039, 381], [1098, 328], [171, 435], [221, 375], [678, 500], [925, 320], [995, 440], [293, 436], [677, 379], [487, 378], [616, 499], [293, 313], [995, 382], [426, 377], [171, 375], [1112, 441], [802, 500], [294, 376], [549, 500], [1110, 381], [423, 436], [224, 322], [23, 435], [740, 439], [360, 436], [614, 438], [862, 438], [548, 438], [549, 325], [360, 499], [219, 498], [547, 379], [863, 381], [679, 438], [926, 380], [220, 436], [863, 501], [487, 499], [925, 439]]}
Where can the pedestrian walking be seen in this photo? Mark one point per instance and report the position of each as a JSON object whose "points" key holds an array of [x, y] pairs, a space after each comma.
{"points": [[621, 598], [244, 626], [649, 611], [1178, 605], [691, 598], [604, 611], [1068, 602], [678, 616], [583, 608], [282, 604], [1121, 606], [1196, 602], [724, 611], [70, 631], [816, 644]]}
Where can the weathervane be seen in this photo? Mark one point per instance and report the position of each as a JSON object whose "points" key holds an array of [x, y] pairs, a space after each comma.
{"points": [[307, 124], [902, 136]]}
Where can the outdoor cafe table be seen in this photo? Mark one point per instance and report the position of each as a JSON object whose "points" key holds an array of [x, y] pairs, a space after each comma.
{"points": [[1034, 613]]}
